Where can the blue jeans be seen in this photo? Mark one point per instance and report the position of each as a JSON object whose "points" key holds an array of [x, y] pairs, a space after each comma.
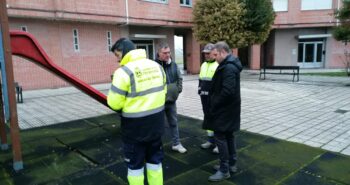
{"points": [[171, 117]]}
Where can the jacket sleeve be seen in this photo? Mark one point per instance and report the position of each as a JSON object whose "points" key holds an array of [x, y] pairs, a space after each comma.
{"points": [[179, 79], [228, 87], [118, 91], [199, 80]]}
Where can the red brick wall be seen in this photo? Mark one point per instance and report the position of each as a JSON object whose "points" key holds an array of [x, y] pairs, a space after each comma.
{"points": [[295, 17], [171, 13], [93, 63], [52, 22], [337, 58], [110, 11], [140, 12]]}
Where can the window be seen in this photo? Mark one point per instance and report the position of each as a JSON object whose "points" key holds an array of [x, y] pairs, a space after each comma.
{"points": [[76, 40], [158, 1], [186, 2], [24, 28], [146, 45], [109, 40], [316, 4], [280, 5]]}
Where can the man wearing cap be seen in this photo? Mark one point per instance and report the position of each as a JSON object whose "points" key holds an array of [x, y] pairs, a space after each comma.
{"points": [[138, 93], [206, 74]]}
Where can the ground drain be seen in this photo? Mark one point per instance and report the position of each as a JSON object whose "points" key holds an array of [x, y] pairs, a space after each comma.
{"points": [[341, 111]]}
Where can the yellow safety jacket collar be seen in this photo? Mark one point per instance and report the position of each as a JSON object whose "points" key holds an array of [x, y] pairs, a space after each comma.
{"points": [[133, 55]]}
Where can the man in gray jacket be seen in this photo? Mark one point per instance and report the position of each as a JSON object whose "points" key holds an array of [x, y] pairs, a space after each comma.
{"points": [[174, 88]]}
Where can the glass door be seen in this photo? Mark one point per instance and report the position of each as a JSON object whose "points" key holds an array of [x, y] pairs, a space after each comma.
{"points": [[146, 45], [311, 54]]}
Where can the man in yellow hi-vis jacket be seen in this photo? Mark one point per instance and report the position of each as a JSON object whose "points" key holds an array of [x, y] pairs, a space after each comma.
{"points": [[138, 93], [206, 74]]}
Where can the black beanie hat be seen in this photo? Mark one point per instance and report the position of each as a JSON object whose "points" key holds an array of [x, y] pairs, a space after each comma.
{"points": [[124, 45]]}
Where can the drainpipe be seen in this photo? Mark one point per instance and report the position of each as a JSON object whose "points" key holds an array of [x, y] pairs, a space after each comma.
{"points": [[127, 11], [338, 7]]}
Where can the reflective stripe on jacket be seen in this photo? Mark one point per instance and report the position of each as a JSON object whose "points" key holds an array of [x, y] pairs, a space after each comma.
{"points": [[206, 74], [138, 87]]}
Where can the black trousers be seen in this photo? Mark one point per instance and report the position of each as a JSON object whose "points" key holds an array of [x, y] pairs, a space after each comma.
{"points": [[227, 149], [136, 154]]}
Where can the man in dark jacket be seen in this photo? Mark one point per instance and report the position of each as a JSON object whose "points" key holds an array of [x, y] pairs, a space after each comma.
{"points": [[174, 88], [225, 109]]}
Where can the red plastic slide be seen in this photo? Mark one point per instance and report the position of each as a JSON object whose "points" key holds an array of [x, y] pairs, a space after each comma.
{"points": [[25, 45]]}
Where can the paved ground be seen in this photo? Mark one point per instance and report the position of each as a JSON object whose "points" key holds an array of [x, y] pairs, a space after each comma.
{"points": [[314, 111]]}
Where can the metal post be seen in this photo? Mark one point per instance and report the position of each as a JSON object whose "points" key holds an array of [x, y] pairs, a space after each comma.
{"points": [[3, 136], [14, 129], [3, 77], [3, 97]]}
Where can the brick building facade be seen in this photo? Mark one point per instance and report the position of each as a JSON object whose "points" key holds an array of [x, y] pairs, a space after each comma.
{"points": [[301, 35], [77, 34]]}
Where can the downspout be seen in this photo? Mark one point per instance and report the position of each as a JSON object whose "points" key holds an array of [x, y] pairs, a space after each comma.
{"points": [[338, 7], [127, 11]]}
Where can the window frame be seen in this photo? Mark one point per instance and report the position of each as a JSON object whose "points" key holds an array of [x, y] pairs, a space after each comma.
{"points": [[314, 6], [109, 41], [157, 1], [76, 45], [186, 5], [280, 10]]}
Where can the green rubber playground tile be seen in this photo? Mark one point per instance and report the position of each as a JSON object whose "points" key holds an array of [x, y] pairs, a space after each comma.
{"points": [[68, 163], [119, 170], [190, 126], [303, 177], [101, 154], [253, 177], [244, 162], [84, 137], [35, 172], [331, 166], [250, 171], [96, 176], [54, 130], [89, 151], [40, 148], [194, 155], [173, 167], [247, 139], [282, 154], [194, 177], [105, 120]]}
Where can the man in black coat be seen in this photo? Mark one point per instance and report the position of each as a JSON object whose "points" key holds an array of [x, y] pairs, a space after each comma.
{"points": [[225, 109]]}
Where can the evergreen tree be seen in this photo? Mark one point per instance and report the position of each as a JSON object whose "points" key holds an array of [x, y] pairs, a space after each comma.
{"points": [[238, 22], [342, 32]]}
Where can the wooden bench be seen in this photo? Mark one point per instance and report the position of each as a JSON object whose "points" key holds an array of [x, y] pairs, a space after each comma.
{"points": [[282, 70]]}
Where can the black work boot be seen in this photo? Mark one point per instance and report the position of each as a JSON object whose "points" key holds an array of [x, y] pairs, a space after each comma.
{"points": [[219, 176]]}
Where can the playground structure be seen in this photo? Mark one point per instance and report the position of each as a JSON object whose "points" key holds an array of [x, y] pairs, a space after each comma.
{"points": [[26, 46]]}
